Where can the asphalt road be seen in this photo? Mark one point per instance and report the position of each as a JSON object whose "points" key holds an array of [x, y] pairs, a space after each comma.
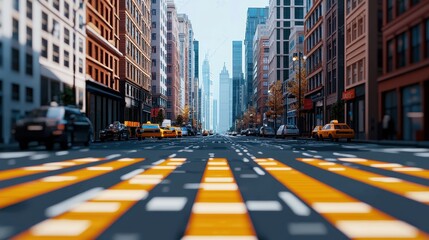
{"points": [[217, 186]]}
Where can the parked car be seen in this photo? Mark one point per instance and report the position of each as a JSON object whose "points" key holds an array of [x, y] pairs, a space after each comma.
{"points": [[251, 132], [315, 132], [234, 133], [335, 131], [54, 124], [169, 132], [287, 131], [266, 131], [115, 131], [205, 133], [243, 132], [179, 132], [191, 131]]}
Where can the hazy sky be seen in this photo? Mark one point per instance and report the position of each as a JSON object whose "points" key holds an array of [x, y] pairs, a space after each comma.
{"points": [[216, 23]]}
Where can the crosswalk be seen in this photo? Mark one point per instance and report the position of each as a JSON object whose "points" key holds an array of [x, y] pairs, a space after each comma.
{"points": [[220, 209]]}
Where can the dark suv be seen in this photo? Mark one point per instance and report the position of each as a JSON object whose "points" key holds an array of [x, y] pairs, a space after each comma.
{"points": [[116, 130], [50, 125]]}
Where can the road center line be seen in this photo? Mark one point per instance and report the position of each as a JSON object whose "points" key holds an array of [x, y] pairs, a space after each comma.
{"points": [[258, 171], [298, 207], [131, 174]]}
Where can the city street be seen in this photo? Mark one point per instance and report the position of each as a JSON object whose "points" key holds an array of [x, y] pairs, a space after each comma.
{"points": [[229, 187]]}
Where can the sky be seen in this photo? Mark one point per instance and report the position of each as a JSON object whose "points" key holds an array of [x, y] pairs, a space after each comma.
{"points": [[216, 23]]}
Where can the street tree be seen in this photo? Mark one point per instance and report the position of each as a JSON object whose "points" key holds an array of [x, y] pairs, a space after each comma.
{"points": [[293, 87], [249, 116], [179, 120], [160, 116], [185, 114], [275, 101]]}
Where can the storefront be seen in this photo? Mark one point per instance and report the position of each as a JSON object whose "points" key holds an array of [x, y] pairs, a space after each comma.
{"points": [[355, 109]]}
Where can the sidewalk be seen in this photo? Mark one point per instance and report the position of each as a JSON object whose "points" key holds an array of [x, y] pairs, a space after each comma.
{"points": [[385, 142]]}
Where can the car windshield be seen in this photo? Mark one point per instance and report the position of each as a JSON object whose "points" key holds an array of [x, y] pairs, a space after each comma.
{"points": [[47, 113], [184, 129], [291, 127]]}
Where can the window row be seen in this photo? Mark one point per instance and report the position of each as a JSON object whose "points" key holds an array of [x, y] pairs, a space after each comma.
{"points": [[352, 4], [355, 29], [314, 38], [401, 7], [16, 93], [355, 72]]}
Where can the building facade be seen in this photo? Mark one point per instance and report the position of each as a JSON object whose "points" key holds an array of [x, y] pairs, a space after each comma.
{"points": [[283, 15], [173, 64], [159, 55], [225, 103], [403, 89], [255, 16], [197, 112], [237, 80], [103, 98], [135, 64], [314, 50], [215, 116], [261, 49], [362, 66]]}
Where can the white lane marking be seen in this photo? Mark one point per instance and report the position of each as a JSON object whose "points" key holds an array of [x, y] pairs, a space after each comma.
{"points": [[72, 202], [166, 204], [258, 171], [131, 174], [298, 207], [426, 154], [191, 186], [418, 196], [263, 206], [385, 179], [121, 195], [331, 159], [376, 229], [245, 160], [11, 162], [240, 154], [219, 208], [6, 232], [172, 155], [307, 154], [132, 151], [39, 156], [344, 155], [8, 155], [112, 156], [260, 153], [249, 176], [245, 150], [341, 207], [97, 207], [61, 153], [158, 162], [84, 150], [312, 151], [60, 227]]}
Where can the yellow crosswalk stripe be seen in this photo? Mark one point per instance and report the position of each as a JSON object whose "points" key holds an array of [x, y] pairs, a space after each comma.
{"points": [[219, 211], [404, 188], [21, 192], [356, 219], [91, 218], [46, 167], [395, 167]]}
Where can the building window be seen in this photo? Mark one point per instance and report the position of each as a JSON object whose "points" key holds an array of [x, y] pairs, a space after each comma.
{"points": [[45, 21], [55, 53], [56, 4], [66, 10], [389, 10], [16, 5], [390, 50], [15, 92], [153, 12], [28, 94], [66, 59], [15, 29], [360, 26], [80, 45], [427, 38], [29, 64], [401, 6], [415, 44], [361, 70], [29, 40], [44, 48], [299, 13], [401, 50], [15, 59], [29, 9], [80, 65], [66, 36]]}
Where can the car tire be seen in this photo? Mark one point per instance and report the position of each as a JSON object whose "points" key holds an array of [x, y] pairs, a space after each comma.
{"points": [[331, 138], [23, 145], [139, 138], [349, 139], [49, 145], [89, 141], [160, 138], [143, 138], [321, 138]]}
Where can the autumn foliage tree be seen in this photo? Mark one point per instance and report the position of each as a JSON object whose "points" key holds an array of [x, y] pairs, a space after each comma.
{"points": [[293, 86], [249, 117], [185, 114], [179, 120], [275, 101]]}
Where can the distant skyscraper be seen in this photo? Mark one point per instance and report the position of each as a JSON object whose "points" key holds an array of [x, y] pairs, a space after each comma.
{"points": [[255, 16], [215, 118], [206, 94], [225, 106], [197, 113], [237, 79]]}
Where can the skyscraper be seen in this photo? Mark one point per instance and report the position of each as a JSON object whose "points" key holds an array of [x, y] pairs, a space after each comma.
{"points": [[237, 79], [197, 81], [206, 94], [255, 16], [173, 63], [225, 106], [159, 53], [215, 116]]}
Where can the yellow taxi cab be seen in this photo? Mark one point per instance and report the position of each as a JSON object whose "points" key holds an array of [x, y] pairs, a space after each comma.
{"points": [[178, 131], [149, 130], [169, 132], [315, 132], [335, 131]]}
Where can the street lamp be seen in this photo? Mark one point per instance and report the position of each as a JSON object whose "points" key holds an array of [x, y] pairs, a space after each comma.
{"points": [[299, 56]]}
